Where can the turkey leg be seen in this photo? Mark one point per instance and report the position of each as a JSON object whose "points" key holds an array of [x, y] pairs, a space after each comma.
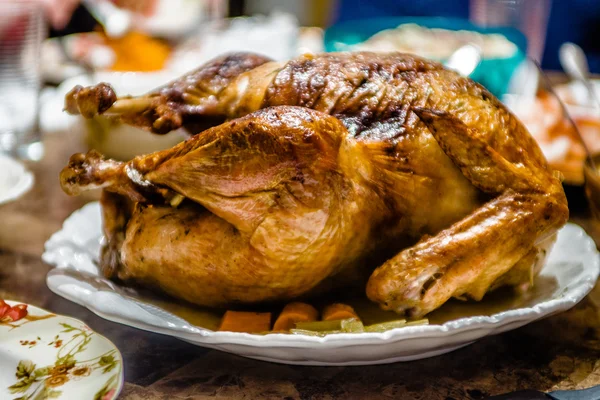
{"points": [[467, 258], [187, 101]]}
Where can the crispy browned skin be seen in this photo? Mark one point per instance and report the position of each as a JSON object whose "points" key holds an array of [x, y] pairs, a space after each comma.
{"points": [[282, 198]]}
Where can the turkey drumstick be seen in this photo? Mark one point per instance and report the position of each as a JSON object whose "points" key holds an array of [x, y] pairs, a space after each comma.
{"points": [[171, 106]]}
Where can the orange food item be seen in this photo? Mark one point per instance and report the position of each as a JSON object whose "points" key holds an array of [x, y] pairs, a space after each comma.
{"points": [[564, 151], [138, 52], [249, 322], [293, 313], [339, 311]]}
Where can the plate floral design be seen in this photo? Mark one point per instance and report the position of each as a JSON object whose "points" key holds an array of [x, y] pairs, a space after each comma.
{"points": [[49, 356]]}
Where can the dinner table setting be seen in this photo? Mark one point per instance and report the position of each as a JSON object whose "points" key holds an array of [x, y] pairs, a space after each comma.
{"points": [[227, 199]]}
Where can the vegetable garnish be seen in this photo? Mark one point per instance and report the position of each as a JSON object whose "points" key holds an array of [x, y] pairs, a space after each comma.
{"points": [[294, 313], [249, 322]]}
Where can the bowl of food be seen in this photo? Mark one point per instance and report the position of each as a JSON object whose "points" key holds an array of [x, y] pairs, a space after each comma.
{"points": [[72, 55], [329, 188], [503, 49]]}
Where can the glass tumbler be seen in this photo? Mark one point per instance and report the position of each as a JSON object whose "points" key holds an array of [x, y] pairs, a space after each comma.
{"points": [[530, 17], [22, 29]]}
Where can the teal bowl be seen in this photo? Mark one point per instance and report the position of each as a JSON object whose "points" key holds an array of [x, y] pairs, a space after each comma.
{"points": [[493, 73]]}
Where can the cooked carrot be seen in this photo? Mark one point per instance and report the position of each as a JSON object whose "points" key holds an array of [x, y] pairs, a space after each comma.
{"points": [[339, 311], [249, 322], [293, 313]]}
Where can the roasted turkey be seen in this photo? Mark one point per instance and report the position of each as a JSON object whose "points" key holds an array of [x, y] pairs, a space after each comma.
{"points": [[324, 172]]}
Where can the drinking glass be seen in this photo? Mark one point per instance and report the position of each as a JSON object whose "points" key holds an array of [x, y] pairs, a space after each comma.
{"points": [[22, 30], [530, 17]]}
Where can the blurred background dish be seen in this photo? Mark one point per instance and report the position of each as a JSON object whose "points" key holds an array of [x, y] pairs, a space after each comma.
{"points": [[436, 38], [64, 57], [137, 63], [556, 136]]}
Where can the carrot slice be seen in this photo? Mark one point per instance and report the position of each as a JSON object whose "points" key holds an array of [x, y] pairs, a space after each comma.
{"points": [[339, 311], [249, 322], [293, 313]]}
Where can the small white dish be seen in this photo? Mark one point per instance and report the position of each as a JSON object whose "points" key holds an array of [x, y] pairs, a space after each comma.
{"points": [[570, 273], [47, 356], [15, 179]]}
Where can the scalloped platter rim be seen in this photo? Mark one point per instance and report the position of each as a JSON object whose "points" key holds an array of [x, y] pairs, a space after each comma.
{"points": [[46, 355], [573, 264]]}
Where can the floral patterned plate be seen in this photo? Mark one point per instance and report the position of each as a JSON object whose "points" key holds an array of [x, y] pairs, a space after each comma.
{"points": [[49, 356]]}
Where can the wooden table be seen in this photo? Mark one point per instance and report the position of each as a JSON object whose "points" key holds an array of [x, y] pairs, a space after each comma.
{"points": [[562, 352]]}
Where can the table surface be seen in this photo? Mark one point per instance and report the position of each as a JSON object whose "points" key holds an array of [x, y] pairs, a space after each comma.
{"points": [[561, 352]]}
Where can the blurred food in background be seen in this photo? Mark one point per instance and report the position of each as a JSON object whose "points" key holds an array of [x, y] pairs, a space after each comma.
{"points": [[544, 119], [277, 36], [436, 38], [147, 34], [136, 57], [436, 43], [138, 62], [135, 51]]}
